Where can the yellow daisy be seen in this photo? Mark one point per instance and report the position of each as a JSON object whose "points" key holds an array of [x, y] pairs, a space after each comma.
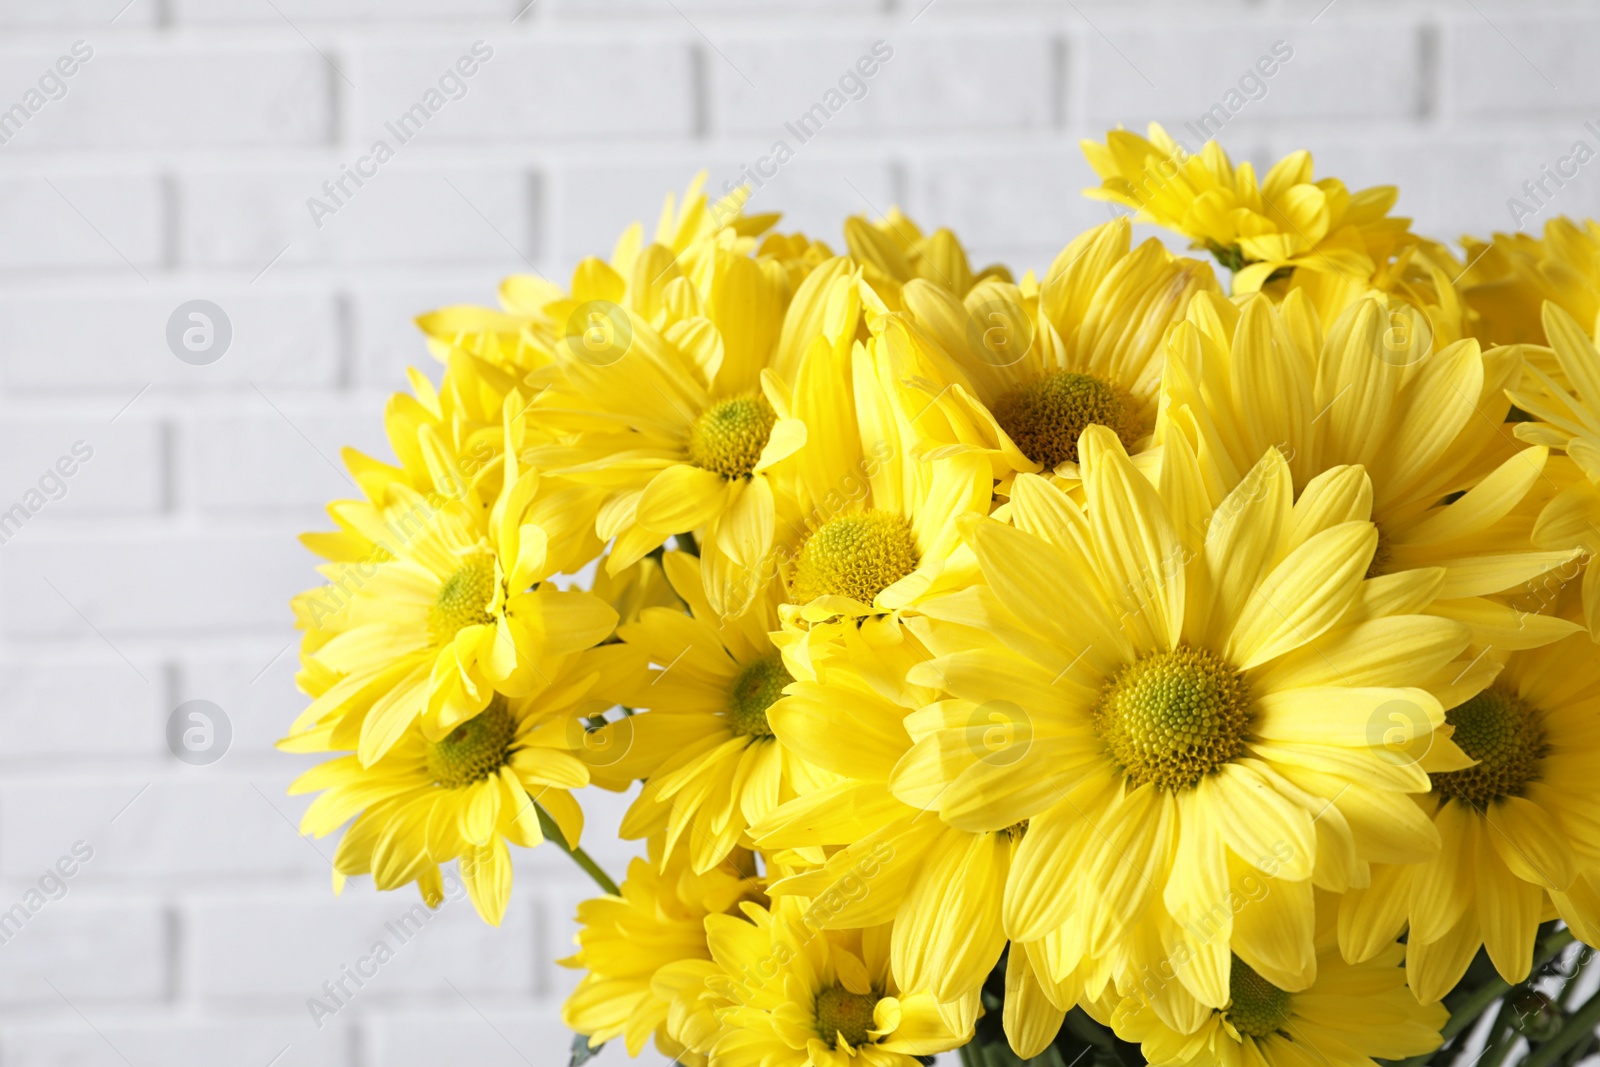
{"points": [[1564, 402], [1192, 692], [701, 738], [1286, 221], [870, 525], [1450, 488], [677, 413], [1352, 1015], [647, 943], [1016, 373], [460, 608], [886, 860], [893, 252], [788, 995], [1520, 829], [1513, 274], [467, 794]]}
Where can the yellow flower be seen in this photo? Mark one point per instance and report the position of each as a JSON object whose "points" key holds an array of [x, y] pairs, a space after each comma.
{"points": [[456, 607], [869, 524], [666, 393], [1513, 274], [702, 739], [1519, 829], [1351, 1015], [1016, 373], [1561, 393], [941, 885], [467, 794], [646, 956], [893, 252], [1450, 490], [1190, 693], [788, 995], [1287, 221]]}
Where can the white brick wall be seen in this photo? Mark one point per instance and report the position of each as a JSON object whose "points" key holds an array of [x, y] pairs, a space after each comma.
{"points": [[177, 166]]}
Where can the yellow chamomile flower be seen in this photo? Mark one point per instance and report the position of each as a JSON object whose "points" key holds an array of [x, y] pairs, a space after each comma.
{"points": [[646, 957], [1565, 405], [1511, 275], [1016, 373], [469, 793], [1350, 1016], [872, 523], [1189, 692], [701, 739], [1451, 493], [1286, 221], [459, 608], [1520, 829], [789, 995]]}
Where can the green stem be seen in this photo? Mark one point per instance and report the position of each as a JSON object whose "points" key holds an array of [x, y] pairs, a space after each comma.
{"points": [[1579, 1027], [552, 833]]}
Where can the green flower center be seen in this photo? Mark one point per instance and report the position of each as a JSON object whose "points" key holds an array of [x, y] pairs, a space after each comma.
{"points": [[463, 599], [843, 1013], [1506, 735], [729, 436], [475, 749], [1045, 418], [1258, 1007], [857, 555], [756, 689], [1172, 718]]}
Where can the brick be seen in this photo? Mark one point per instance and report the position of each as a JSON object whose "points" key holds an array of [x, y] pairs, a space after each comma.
{"points": [[123, 472], [56, 707], [584, 87], [1173, 73], [279, 338], [1516, 62], [935, 80], [154, 583], [201, 823], [315, 938], [257, 459], [58, 222], [122, 1040], [90, 950], [402, 214], [255, 690], [89, 14], [226, 12], [135, 95]]}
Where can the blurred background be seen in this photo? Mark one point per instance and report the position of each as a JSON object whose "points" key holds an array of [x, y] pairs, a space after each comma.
{"points": [[159, 153]]}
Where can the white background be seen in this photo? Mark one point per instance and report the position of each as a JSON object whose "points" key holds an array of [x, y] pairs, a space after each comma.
{"points": [[178, 165]]}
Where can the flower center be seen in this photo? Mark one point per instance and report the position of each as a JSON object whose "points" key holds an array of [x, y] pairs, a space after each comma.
{"points": [[1258, 1007], [1172, 718], [1506, 735], [729, 436], [857, 555], [756, 689], [463, 599], [1046, 417], [475, 749], [841, 1013]]}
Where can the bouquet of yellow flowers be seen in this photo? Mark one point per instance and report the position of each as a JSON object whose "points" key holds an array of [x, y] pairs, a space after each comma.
{"points": [[1100, 664]]}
